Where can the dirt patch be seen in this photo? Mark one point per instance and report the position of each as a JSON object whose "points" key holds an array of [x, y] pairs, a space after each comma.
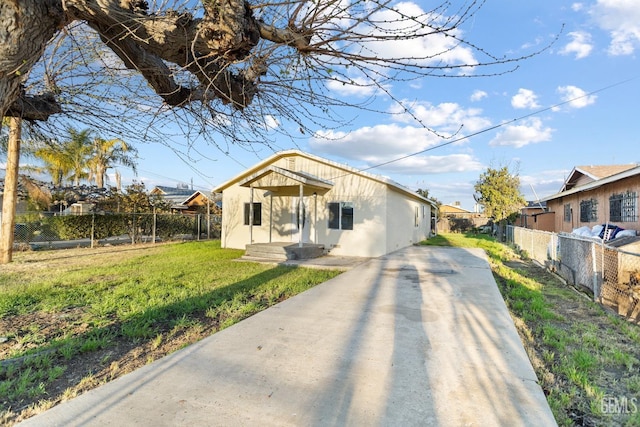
{"points": [[86, 369]]}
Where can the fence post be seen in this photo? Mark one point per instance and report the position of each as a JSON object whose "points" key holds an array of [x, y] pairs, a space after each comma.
{"points": [[93, 229], [198, 228], [596, 292], [133, 228], [153, 227]]}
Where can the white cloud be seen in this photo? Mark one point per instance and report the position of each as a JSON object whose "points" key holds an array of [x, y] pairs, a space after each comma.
{"points": [[428, 165], [360, 87], [531, 131], [580, 45], [577, 7], [544, 183], [525, 98], [447, 117], [372, 143], [378, 144], [271, 122], [477, 95], [621, 18], [436, 48], [576, 97]]}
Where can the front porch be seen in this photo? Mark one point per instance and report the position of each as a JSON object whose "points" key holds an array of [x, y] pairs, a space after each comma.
{"points": [[283, 251]]}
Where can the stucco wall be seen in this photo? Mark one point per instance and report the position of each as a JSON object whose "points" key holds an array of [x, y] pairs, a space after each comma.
{"points": [[543, 222], [401, 221], [374, 233]]}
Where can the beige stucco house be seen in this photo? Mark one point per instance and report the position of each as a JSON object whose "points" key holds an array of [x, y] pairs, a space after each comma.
{"points": [[297, 197]]}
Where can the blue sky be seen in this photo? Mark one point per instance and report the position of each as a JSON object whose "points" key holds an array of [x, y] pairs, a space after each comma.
{"points": [[593, 62]]}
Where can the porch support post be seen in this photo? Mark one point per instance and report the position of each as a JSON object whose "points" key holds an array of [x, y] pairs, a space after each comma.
{"points": [[315, 219], [251, 216], [270, 216], [300, 216]]}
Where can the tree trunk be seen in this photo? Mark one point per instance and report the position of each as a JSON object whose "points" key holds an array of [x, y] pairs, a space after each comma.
{"points": [[100, 173], [25, 28], [10, 196]]}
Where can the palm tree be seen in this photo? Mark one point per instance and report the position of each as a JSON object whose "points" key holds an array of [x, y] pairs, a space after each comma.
{"points": [[78, 149], [67, 159], [107, 153], [56, 161]]}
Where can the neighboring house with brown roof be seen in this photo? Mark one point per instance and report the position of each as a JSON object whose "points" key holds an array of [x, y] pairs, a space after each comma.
{"points": [[596, 195], [187, 201], [454, 218], [536, 216], [453, 210]]}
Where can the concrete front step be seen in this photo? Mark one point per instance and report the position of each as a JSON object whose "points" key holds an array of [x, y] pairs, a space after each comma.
{"points": [[284, 251]]}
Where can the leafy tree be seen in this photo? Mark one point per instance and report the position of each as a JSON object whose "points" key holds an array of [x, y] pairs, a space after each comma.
{"points": [[425, 193], [498, 191], [134, 199], [82, 156], [77, 150]]}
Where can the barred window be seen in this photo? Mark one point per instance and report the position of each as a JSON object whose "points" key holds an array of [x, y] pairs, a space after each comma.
{"points": [[623, 207], [567, 212], [588, 210]]}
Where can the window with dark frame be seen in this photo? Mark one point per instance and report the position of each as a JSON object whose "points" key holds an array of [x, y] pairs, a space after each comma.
{"points": [[588, 210], [623, 207], [567, 212], [340, 215], [334, 216], [257, 213]]}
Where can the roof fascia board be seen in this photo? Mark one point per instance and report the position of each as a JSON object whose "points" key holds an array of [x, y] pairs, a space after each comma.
{"points": [[346, 168], [595, 184]]}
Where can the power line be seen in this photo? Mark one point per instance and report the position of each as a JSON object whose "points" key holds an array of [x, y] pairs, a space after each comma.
{"points": [[525, 116]]}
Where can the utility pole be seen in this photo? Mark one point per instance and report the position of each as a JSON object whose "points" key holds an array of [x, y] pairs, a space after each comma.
{"points": [[10, 194]]}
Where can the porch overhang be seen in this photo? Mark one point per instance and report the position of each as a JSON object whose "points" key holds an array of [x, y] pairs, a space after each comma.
{"points": [[285, 182]]}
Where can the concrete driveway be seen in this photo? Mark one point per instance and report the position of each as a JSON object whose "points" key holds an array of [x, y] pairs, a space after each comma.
{"points": [[420, 337]]}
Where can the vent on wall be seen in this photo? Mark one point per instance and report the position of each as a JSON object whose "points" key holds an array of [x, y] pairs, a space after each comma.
{"points": [[292, 164]]}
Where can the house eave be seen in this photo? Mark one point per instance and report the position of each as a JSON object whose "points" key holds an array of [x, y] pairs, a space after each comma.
{"points": [[348, 169], [595, 184]]}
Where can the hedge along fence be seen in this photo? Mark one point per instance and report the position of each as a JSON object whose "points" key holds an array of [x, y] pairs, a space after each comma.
{"points": [[138, 227]]}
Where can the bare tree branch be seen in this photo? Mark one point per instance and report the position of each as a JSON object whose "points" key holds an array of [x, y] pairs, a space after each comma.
{"points": [[232, 70]]}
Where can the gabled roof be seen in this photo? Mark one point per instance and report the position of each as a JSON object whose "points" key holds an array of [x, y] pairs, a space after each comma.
{"points": [[175, 196], [195, 194], [263, 165], [171, 191], [448, 208], [581, 175], [535, 205], [285, 182], [626, 172]]}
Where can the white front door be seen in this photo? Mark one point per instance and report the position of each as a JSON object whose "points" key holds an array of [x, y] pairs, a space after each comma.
{"points": [[295, 221]]}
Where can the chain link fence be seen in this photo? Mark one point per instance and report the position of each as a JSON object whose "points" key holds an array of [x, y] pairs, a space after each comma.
{"points": [[610, 270], [41, 231]]}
